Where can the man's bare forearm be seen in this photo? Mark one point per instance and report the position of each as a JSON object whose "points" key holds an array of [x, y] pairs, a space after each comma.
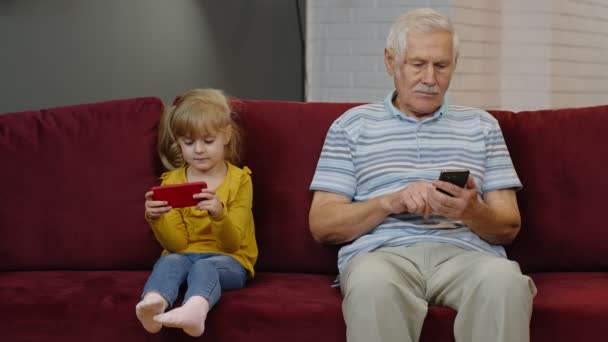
{"points": [[343, 222], [499, 224]]}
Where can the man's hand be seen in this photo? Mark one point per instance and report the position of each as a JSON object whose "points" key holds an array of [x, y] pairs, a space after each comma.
{"points": [[495, 218], [411, 199], [462, 206]]}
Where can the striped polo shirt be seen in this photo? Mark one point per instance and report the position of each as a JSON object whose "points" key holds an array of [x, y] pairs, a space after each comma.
{"points": [[375, 149]]}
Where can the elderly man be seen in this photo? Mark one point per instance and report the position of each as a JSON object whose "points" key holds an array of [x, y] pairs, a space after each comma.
{"points": [[406, 244]]}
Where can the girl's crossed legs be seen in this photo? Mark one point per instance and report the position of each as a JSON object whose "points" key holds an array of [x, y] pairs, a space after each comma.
{"points": [[207, 274]]}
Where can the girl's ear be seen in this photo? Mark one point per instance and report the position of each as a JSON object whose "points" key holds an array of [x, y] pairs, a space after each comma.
{"points": [[228, 134]]}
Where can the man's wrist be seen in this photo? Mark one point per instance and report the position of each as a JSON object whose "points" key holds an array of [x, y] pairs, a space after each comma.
{"points": [[387, 204], [479, 211]]}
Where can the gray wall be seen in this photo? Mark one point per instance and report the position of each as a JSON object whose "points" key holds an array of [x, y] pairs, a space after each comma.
{"points": [[62, 52]]}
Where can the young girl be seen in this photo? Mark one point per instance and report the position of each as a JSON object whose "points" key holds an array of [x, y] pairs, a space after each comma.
{"points": [[211, 246]]}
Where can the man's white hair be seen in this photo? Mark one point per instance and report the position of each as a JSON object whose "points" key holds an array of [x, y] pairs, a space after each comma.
{"points": [[422, 20]]}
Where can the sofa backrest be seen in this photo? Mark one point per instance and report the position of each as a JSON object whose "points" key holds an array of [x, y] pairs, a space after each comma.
{"points": [[72, 182], [560, 157], [283, 142], [72, 186]]}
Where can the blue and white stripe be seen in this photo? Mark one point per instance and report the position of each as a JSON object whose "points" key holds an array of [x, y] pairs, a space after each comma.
{"points": [[375, 149]]}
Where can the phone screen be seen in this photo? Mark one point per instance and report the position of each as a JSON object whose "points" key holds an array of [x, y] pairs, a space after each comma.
{"points": [[180, 195], [456, 177]]}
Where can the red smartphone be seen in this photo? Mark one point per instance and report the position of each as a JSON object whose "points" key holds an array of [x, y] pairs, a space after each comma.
{"points": [[456, 177], [178, 195]]}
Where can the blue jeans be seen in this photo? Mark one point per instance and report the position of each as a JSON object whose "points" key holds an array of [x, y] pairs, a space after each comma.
{"points": [[207, 273]]}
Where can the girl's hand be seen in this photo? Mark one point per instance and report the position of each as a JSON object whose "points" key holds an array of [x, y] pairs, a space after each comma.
{"points": [[155, 208], [209, 202]]}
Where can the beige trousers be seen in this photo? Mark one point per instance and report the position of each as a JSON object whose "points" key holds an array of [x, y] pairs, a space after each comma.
{"points": [[387, 293]]}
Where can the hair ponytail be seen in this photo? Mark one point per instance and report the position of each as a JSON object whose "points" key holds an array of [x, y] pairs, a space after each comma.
{"points": [[168, 149]]}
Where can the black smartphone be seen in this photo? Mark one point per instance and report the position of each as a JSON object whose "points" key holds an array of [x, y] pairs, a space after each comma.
{"points": [[456, 177]]}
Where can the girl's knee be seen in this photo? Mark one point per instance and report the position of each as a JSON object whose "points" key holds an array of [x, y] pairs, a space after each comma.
{"points": [[172, 259]]}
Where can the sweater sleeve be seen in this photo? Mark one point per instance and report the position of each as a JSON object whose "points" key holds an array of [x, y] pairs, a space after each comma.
{"points": [[230, 227], [170, 231]]}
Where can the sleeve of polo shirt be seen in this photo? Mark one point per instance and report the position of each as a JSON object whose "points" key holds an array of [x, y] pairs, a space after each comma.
{"points": [[335, 170], [499, 170]]}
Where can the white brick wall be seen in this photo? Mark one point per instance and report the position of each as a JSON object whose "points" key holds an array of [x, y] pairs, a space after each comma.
{"points": [[515, 54], [345, 42]]}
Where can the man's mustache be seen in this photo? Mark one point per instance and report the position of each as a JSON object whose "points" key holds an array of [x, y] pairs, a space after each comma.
{"points": [[421, 88]]}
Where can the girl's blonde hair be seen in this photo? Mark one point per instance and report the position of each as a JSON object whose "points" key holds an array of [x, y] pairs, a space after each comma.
{"points": [[196, 114]]}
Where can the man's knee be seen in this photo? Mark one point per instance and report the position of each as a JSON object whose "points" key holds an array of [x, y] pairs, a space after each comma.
{"points": [[501, 278]]}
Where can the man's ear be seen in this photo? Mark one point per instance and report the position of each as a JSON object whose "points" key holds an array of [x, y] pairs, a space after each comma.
{"points": [[389, 62]]}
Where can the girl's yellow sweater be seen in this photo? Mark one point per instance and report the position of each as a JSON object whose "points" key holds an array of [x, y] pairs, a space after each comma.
{"points": [[188, 230]]}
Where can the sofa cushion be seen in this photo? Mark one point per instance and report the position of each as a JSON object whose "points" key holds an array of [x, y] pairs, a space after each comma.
{"points": [[72, 186], [570, 306], [71, 306], [74, 305], [283, 141], [560, 156]]}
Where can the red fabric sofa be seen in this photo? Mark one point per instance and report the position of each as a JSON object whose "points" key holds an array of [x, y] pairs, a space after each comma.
{"points": [[75, 249]]}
